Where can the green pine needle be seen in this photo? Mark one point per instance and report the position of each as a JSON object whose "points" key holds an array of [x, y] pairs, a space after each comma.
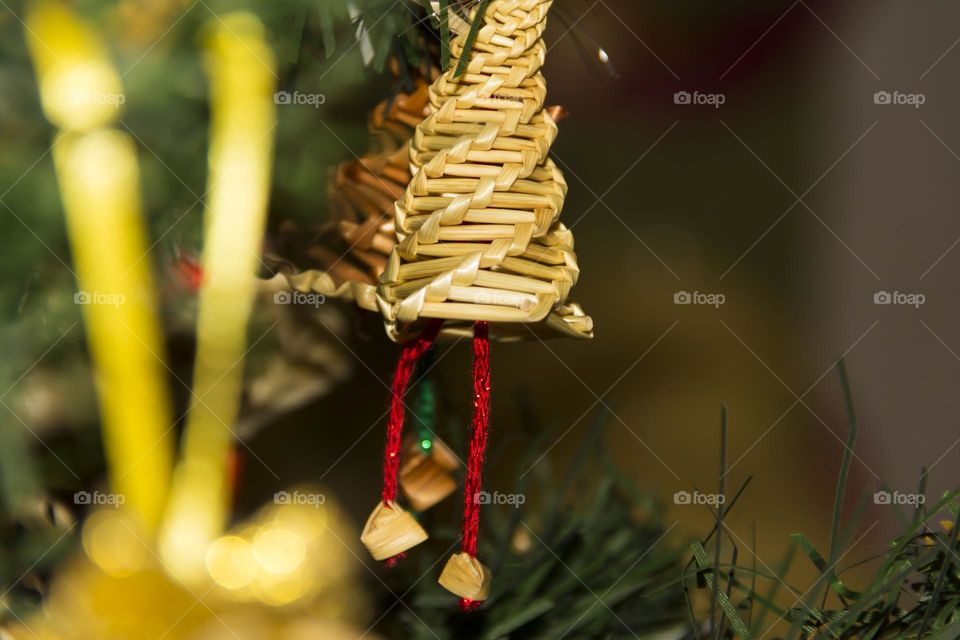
{"points": [[444, 34], [845, 461], [471, 38]]}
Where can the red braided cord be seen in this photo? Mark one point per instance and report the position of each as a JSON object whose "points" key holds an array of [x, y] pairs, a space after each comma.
{"points": [[401, 377], [478, 436]]}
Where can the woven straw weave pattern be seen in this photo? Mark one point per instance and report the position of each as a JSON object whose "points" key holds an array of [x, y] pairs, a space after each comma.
{"points": [[364, 189], [478, 226], [348, 254]]}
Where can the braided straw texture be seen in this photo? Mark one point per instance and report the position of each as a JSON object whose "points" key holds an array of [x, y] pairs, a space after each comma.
{"points": [[346, 256], [364, 189], [478, 226]]}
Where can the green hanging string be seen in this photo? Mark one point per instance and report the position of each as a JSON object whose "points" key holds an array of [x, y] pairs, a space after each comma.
{"points": [[425, 406]]}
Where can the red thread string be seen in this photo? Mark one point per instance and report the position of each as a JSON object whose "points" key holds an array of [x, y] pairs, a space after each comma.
{"points": [[401, 377], [467, 605], [478, 437]]}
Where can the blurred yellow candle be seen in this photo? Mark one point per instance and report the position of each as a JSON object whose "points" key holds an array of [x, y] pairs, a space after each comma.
{"points": [[79, 87], [99, 183], [241, 71]]}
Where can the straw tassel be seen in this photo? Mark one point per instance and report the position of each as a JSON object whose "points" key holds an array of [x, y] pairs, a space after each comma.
{"points": [[463, 574], [390, 530]]}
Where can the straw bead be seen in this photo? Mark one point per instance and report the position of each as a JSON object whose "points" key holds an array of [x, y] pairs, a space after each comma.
{"points": [[426, 479], [465, 576], [390, 531]]}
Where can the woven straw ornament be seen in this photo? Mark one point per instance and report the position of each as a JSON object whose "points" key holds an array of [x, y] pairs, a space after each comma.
{"points": [[478, 226], [480, 250]]}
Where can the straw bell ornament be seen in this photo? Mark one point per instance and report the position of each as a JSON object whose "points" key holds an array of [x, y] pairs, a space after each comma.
{"points": [[478, 226], [480, 247], [348, 253]]}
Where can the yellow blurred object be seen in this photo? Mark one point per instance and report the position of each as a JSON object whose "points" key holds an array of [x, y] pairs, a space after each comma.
{"points": [[287, 554], [287, 574], [241, 70], [99, 183], [279, 550], [114, 544], [284, 556], [230, 562], [79, 87], [198, 584]]}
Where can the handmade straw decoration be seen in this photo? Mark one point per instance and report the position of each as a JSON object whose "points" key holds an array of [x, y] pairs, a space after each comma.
{"points": [[426, 477], [480, 247], [346, 256], [479, 230], [390, 530], [463, 574], [365, 189]]}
